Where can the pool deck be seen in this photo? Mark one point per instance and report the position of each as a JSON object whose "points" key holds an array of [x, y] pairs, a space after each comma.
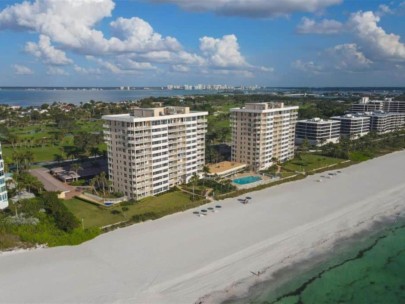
{"points": [[264, 179]]}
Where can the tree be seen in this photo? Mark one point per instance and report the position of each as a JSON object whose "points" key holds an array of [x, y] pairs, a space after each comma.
{"points": [[64, 219], [29, 182], [206, 170], [13, 139], [75, 168], [28, 158], [100, 182], [58, 158], [194, 180], [94, 151]]}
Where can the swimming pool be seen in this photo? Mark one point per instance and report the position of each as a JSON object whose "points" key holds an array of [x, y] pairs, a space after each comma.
{"points": [[247, 180]]}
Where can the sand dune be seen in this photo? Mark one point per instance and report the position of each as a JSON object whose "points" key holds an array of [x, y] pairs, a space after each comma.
{"points": [[182, 257]]}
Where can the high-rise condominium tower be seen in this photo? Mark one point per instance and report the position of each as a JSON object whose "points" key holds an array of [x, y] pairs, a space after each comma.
{"points": [[262, 133], [152, 150], [3, 190]]}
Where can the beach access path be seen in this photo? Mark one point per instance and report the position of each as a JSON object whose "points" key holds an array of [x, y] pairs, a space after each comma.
{"points": [[182, 257]]}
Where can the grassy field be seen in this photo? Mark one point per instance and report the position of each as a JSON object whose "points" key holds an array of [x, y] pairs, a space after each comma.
{"points": [[309, 162], [94, 216], [41, 154], [38, 139]]}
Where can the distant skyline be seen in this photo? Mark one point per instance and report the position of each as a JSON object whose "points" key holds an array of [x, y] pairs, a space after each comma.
{"points": [[246, 42]]}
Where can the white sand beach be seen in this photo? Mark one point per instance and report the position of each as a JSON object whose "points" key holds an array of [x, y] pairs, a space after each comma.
{"points": [[182, 258]]}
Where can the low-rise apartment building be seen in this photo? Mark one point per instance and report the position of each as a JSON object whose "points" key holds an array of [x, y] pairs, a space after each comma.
{"points": [[382, 122], [263, 132], [353, 126], [317, 131], [3, 189], [152, 150]]}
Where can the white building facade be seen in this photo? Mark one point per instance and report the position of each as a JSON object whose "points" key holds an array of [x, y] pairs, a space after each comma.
{"points": [[263, 132], [353, 126], [382, 122], [3, 189], [317, 131], [152, 150]]}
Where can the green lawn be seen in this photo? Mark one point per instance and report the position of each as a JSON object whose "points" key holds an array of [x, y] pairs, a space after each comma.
{"points": [[33, 133], [309, 162], [41, 154], [94, 216]]}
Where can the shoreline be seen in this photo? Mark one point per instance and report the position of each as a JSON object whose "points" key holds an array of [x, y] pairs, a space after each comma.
{"points": [[18, 250], [182, 258], [300, 268]]}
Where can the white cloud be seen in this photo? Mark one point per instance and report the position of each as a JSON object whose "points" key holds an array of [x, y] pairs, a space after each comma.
{"points": [[325, 26], [56, 71], [347, 57], [46, 52], [69, 22], [384, 10], [138, 35], [87, 71], [307, 66], [253, 8], [132, 45], [223, 55], [344, 57], [223, 52], [72, 24], [378, 43], [126, 63], [22, 70], [121, 65], [180, 68]]}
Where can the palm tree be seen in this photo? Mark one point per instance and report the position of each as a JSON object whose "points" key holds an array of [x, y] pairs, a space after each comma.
{"points": [[58, 158], [206, 170], [75, 168], [94, 151], [28, 158], [194, 180]]}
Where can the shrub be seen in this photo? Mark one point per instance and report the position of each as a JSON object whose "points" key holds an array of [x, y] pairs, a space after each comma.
{"points": [[144, 217], [64, 219]]}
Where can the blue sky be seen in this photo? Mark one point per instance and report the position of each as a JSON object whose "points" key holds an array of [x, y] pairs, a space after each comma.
{"points": [[159, 42]]}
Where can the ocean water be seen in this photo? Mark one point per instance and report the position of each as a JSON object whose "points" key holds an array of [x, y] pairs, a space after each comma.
{"points": [[369, 269], [37, 97]]}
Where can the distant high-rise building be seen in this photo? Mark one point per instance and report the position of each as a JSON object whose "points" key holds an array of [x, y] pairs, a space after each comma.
{"points": [[152, 150], [386, 105], [262, 132], [3, 189], [317, 131]]}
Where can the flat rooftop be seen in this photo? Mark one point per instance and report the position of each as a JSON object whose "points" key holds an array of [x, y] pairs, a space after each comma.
{"points": [[263, 107], [225, 167], [317, 120]]}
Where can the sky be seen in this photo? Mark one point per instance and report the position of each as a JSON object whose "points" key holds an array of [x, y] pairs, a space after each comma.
{"points": [[314, 43]]}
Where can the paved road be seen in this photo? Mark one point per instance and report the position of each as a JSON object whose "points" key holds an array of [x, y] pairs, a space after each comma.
{"points": [[50, 183]]}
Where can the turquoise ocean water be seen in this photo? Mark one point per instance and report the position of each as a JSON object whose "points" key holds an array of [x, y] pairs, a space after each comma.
{"points": [[369, 268]]}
